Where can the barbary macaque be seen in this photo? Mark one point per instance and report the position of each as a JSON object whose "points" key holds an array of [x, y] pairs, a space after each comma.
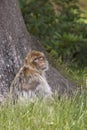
{"points": [[30, 82]]}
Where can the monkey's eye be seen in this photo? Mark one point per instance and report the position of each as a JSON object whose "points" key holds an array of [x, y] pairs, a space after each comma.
{"points": [[36, 60], [41, 58]]}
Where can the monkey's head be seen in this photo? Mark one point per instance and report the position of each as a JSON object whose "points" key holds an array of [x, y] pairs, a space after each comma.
{"points": [[37, 60]]}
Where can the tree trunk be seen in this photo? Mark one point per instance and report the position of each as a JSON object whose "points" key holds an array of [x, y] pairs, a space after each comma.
{"points": [[15, 43]]}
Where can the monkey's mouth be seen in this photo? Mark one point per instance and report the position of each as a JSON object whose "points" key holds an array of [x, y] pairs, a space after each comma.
{"points": [[42, 65]]}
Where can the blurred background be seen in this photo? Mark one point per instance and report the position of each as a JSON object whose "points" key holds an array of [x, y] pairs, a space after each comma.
{"points": [[61, 27]]}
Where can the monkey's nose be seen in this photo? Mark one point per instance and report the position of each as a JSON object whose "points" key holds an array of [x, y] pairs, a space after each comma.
{"points": [[41, 63]]}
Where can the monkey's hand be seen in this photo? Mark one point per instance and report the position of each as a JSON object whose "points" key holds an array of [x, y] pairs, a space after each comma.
{"points": [[30, 85]]}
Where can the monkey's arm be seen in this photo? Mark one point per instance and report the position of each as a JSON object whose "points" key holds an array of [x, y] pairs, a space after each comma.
{"points": [[30, 78], [30, 84]]}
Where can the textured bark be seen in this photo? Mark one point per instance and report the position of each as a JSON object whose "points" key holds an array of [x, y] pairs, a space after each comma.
{"points": [[15, 43]]}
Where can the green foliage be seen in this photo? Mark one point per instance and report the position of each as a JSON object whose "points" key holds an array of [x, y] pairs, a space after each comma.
{"points": [[71, 48], [71, 37], [63, 114], [59, 26], [38, 16]]}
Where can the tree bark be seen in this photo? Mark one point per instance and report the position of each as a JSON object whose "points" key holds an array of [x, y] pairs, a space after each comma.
{"points": [[15, 43]]}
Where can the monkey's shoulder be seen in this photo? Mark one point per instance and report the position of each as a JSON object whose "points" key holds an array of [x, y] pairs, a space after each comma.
{"points": [[25, 77], [24, 72], [29, 72]]}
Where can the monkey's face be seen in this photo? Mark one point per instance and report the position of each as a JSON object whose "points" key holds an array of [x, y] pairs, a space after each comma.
{"points": [[40, 63], [37, 60]]}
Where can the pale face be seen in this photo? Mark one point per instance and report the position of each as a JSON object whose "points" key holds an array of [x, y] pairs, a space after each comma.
{"points": [[40, 63]]}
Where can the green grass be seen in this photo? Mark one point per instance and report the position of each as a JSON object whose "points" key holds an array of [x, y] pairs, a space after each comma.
{"points": [[63, 114], [78, 76], [83, 6], [75, 74]]}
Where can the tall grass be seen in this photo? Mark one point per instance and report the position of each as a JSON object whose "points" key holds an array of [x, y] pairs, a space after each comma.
{"points": [[63, 114]]}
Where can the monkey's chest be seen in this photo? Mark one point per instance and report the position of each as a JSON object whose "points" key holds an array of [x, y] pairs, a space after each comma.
{"points": [[30, 86], [26, 95], [34, 89]]}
